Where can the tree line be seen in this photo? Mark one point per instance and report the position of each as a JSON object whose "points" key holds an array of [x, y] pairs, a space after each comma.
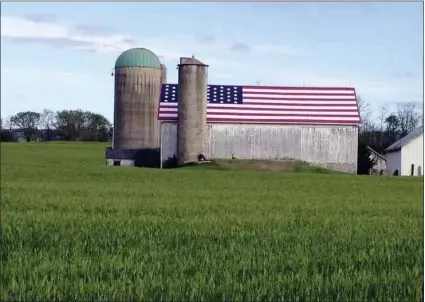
{"points": [[382, 128], [64, 125], [377, 132]]}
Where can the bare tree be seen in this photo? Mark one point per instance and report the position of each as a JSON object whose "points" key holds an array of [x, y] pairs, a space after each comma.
{"points": [[408, 117], [47, 121], [365, 113], [7, 124], [379, 135], [382, 115]]}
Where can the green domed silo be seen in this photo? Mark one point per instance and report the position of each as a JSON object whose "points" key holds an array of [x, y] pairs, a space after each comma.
{"points": [[137, 89]]}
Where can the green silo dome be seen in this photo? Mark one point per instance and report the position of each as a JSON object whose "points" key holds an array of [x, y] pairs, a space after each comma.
{"points": [[138, 57]]}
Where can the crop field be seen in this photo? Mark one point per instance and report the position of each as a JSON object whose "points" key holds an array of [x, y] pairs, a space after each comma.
{"points": [[75, 229]]}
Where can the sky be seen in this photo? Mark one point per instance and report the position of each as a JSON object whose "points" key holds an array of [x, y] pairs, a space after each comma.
{"points": [[61, 55]]}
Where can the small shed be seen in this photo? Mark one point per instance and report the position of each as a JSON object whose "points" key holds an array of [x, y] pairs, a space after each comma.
{"points": [[406, 156], [379, 161]]}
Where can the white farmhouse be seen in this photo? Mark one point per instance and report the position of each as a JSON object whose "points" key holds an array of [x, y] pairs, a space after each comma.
{"points": [[406, 156]]}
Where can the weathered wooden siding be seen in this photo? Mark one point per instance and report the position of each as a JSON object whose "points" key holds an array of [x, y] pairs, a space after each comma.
{"points": [[333, 147], [169, 140], [380, 163]]}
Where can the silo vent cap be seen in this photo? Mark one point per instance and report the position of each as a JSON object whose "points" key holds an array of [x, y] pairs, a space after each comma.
{"points": [[191, 61]]}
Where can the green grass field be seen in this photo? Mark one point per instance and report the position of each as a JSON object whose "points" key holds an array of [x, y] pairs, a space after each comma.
{"points": [[75, 229]]}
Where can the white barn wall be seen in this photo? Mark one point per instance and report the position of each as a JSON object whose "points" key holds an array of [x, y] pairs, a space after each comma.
{"points": [[169, 140], [413, 153], [393, 162], [332, 147]]}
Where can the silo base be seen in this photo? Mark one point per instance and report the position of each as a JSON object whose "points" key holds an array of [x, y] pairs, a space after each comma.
{"points": [[149, 158], [120, 162]]}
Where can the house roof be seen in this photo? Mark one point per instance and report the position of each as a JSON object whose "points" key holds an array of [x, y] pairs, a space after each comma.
{"points": [[377, 153], [405, 140]]}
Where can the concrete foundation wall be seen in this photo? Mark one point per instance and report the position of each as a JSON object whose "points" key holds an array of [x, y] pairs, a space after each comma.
{"points": [[122, 162]]}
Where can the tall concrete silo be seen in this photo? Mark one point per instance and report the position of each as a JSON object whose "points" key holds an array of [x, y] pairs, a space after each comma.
{"points": [[192, 110], [137, 89], [163, 74]]}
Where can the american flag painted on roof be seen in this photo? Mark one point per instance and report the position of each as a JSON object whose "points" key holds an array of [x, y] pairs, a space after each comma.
{"points": [[270, 104]]}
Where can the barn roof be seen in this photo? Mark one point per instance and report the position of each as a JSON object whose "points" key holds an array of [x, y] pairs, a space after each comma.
{"points": [[269, 105], [405, 140]]}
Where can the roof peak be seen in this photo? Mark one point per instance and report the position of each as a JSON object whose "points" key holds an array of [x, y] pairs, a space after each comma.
{"points": [[191, 61], [405, 140]]}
